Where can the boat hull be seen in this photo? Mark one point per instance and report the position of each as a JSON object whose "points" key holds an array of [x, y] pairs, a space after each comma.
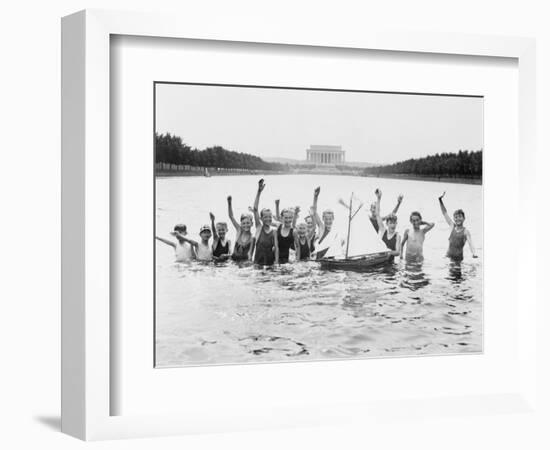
{"points": [[358, 263]]}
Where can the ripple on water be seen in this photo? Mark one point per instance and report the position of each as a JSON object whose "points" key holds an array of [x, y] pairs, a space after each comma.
{"points": [[213, 314]]}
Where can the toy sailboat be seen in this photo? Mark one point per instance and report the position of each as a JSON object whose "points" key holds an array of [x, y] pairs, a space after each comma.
{"points": [[370, 252]]}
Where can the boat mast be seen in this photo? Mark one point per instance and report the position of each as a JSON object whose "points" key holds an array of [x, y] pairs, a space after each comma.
{"points": [[349, 223]]}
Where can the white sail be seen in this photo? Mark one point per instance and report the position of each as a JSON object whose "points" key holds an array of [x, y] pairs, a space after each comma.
{"points": [[363, 237]]}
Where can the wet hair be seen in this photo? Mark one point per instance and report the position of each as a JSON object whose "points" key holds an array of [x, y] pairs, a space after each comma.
{"points": [[391, 218], [417, 214], [246, 216], [222, 224], [180, 228], [459, 212], [263, 211]]}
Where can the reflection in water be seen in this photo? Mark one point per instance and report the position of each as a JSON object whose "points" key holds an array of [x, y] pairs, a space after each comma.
{"points": [[226, 312]]}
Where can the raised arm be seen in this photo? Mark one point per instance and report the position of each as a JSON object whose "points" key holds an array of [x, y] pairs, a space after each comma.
{"points": [[231, 215], [277, 210], [314, 212], [166, 241], [444, 211], [213, 225], [261, 186], [471, 244], [398, 204], [195, 244], [379, 220], [295, 219], [427, 226]]}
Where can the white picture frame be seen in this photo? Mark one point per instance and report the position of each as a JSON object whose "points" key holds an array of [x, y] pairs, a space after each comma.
{"points": [[86, 286]]}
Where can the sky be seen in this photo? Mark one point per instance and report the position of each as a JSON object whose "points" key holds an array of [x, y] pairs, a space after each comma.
{"points": [[371, 127]]}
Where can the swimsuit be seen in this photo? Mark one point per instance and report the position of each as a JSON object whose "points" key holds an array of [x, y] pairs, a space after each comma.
{"points": [[265, 248], [285, 244], [221, 249], [457, 240], [390, 243], [204, 252], [305, 251], [240, 251]]}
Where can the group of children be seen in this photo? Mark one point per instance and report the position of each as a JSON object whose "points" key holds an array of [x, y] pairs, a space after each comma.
{"points": [[313, 238]]}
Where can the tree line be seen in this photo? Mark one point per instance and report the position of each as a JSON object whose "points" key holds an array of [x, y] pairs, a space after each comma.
{"points": [[464, 164], [171, 149]]}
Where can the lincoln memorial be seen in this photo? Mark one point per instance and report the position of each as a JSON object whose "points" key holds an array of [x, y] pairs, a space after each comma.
{"points": [[326, 154]]}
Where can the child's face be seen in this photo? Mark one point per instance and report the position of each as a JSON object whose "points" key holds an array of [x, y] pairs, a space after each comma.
{"points": [[309, 224], [302, 229], [392, 225], [246, 223], [459, 219], [415, 221], [373, 208], [221, 230], [267, 217], [205, 235], [328, 219], [288, 216]]}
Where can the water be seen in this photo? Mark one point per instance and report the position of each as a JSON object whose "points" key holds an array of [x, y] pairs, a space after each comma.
{"points": [[226, 313]]}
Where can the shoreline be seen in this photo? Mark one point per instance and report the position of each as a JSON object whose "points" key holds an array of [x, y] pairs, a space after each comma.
{"points": [[456, 180]]}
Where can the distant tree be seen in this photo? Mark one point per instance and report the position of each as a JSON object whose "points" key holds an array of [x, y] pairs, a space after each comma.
{"points": [[171, 149], [464, 164]]}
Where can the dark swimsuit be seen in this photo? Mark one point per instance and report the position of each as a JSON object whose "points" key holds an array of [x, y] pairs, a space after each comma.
{"points": [[285, 244], [305, 251], [221, 249], [265, 248], [240, 251], [390, 243], [457, 240]]}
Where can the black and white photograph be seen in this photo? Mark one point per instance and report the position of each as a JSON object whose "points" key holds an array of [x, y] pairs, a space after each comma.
{"points": [[303, 224]]}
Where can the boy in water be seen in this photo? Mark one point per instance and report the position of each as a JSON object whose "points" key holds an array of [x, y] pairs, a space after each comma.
{"points": [[459, 234], [202, 248], [415, 238], [221, 246], [373, 219], [327, 234], [265, 244], [183, 250], [388, 232]]}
